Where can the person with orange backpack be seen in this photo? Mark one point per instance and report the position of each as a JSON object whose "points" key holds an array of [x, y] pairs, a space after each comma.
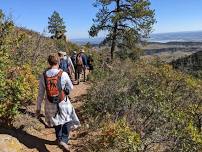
{"points": [[59, 112]]}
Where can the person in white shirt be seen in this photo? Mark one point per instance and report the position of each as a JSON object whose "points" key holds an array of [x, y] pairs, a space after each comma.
{"points": [[71, 69], [61, 116]]}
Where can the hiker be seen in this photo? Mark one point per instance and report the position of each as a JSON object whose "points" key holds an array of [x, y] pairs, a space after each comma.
{"points": [[81, 64], [59, 112], [66, 63], [79, 67], [70, 68], [90, 62], [84, 59], [73, 58], [63, 64]]}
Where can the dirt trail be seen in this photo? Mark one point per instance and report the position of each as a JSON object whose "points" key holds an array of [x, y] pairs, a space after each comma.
{"points": [[43, 140]]}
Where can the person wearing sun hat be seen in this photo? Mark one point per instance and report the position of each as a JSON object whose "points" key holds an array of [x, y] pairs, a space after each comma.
{"points": [[63, 63], [81, 63], [70, 68]]}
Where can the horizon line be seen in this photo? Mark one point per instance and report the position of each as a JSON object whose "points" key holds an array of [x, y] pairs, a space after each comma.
{"points": [[176, 32]]}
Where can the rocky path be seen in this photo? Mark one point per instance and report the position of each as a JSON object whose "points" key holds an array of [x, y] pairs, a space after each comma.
{"points": [[43, 139]]}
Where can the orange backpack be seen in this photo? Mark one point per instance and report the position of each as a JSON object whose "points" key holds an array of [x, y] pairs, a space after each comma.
{"points": [[53, 85]]}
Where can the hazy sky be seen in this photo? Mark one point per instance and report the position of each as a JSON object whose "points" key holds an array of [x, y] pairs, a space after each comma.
{"points": [[171, 15]]}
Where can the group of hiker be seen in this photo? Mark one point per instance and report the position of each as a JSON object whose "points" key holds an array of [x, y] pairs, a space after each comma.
{"points": [[76, 64], [55, 85]]}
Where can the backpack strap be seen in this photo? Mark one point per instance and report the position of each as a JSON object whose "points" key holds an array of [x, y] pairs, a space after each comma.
{"points": [[61, 92], [59, 85], [45, 78]]}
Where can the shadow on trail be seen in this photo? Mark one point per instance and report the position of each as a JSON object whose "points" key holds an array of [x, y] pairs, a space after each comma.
{"points": [[30, 141], [33, 115]]}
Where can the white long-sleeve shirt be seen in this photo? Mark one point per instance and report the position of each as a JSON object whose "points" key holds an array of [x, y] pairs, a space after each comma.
{"points": [[69, 60], [67, 112]]}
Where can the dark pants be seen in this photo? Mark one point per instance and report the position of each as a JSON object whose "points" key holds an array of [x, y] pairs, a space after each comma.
{"points": [[62, 132], [84, 74], [79, 71], [90, 67], [75, 74]]}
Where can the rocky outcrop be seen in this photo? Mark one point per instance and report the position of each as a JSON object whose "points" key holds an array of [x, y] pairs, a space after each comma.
{"points": [[9, 144]]}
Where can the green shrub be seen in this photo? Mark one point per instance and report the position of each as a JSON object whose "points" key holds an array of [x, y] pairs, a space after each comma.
{"points": [[18, 86], [160, 104], [19, 91], [115, 137]]}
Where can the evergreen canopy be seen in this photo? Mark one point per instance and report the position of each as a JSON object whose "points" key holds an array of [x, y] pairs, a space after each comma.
{"points": [[127, 22], [56, 25]]}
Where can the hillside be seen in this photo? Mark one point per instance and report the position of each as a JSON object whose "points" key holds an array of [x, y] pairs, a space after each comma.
{"points": [[189, 36], [171, 50]]}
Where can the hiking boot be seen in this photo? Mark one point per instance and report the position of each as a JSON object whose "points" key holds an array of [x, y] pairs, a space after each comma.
{"points": [[64, 146]]}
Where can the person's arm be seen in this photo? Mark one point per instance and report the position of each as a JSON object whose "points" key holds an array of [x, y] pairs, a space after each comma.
{"points": [[66, 82], [71, 64], [84, 58], [41, 93], [60, 65]]}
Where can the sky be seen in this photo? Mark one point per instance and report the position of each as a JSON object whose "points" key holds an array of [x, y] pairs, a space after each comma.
{"points": [[171, 15]]}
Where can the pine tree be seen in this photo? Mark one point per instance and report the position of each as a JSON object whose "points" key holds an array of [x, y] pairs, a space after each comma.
{"points": [[127, 22], [56, 25]]}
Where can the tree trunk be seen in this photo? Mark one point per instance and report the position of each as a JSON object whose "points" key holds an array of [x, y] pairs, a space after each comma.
{"points": [[114, 34], [113, 41]]}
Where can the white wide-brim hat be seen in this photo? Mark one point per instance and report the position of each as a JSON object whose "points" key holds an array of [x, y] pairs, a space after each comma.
{"points": [[63, 53]]}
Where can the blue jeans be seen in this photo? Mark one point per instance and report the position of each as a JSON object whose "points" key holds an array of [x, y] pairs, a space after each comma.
{"points": [[62, 132]]}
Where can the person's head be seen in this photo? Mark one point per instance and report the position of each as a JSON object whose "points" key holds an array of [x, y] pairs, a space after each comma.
{"points": [[78, 54], [61, 54], [82, 51], [65, 55], [53, 60], [74, 52]]}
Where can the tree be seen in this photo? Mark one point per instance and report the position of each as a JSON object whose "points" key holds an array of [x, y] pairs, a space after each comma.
{"points": [[56, 26], [126, 21]]}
